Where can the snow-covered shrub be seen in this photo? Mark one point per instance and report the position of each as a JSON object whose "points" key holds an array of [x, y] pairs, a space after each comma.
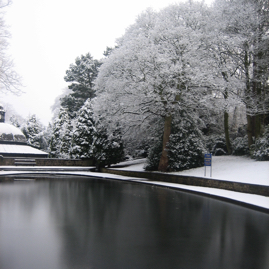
{"points": [[240, 146], [216, 145], [154, 156], [185, 148], [260, 150]]}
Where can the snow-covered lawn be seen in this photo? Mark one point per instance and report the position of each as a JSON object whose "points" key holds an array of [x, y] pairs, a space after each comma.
{"points": [[231, 168], [235, 168]]}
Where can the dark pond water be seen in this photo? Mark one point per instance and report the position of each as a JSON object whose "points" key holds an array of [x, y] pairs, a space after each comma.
{"points": [[110, 224]]}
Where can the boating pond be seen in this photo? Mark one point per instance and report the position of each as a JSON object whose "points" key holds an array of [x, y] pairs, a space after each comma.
{"points": [[99, 223]]}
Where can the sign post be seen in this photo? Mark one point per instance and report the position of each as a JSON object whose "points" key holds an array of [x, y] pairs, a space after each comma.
{"points": [[208, 162]]}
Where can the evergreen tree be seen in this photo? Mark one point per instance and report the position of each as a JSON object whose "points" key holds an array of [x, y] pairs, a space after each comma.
{"points": [[53, 145], [81, 75], [107, 146], [84, 132], [185, 147], [61, 139], [33, 131], [66, 141]]}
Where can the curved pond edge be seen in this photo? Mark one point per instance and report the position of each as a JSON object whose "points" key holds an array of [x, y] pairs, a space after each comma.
{"points": [[194, 181], [60, 175]]}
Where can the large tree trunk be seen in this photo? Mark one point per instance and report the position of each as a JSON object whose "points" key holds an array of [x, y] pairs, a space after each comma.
{"points": [[163, 164], [226, 130], [226, 121], [249, 130], [248, 97], [253, 128], [258, 127]]}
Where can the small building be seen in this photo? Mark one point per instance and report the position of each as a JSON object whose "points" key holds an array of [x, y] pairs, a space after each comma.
{"points": [[13, 143]]}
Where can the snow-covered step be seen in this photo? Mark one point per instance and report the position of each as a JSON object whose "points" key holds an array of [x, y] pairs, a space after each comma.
{"points": [[25, 161]]}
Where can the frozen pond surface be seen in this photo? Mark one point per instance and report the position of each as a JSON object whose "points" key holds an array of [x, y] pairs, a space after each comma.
{"points": [[109, 224]]}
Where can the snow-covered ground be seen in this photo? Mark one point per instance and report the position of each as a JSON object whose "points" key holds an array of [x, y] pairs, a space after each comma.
{"points": [[231, 168]]}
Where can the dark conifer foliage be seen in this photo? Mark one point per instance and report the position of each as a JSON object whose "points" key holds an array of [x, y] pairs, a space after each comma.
{"points": [[185, 149], [107, 146], [81, 75]]}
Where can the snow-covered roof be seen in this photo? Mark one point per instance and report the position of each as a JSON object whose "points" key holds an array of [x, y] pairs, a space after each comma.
{"points": [[9, 132], [6, 149]]}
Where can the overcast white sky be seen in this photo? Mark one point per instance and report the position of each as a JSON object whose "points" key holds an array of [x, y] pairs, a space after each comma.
{"points": [[47, 36]]}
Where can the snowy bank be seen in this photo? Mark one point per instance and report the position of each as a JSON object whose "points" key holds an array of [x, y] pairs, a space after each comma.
{"points": [[230, 168]]}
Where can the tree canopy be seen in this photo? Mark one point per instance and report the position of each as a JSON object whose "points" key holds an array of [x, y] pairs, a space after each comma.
{"points": [[171, 84], [10, 81], [184, 58], [157, 69]]}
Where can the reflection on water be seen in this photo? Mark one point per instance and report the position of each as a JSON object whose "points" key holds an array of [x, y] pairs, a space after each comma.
{"points": [[110, 224]]}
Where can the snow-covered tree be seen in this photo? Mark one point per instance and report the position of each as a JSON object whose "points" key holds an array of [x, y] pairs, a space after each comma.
{"points": [[84, 132], [185, 148], [86, 136], [107, 145], [244, 40], [11, 115], [61, 140], [81, 75], [9, 79], [33, 131], [66, 141], [156, 70], [14, 121]]}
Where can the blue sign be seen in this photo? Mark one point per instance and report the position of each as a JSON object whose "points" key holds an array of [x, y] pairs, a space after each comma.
{"points": [[208, 159]]}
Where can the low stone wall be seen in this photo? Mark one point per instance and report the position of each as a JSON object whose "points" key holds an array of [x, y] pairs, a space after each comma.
{"points": [[6, 161], [194, 181], [50, 162], [63, 162]]}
